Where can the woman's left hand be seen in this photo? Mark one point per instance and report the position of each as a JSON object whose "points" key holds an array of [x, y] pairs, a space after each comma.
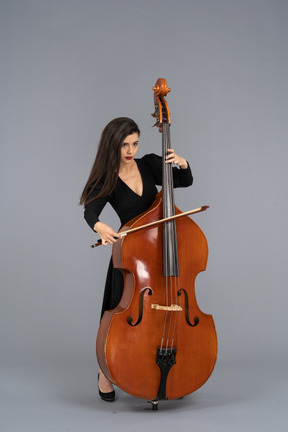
{"points": [[177, 160]]}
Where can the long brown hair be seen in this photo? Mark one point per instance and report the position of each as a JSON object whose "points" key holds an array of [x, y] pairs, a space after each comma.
{"points": [[107, 161]]}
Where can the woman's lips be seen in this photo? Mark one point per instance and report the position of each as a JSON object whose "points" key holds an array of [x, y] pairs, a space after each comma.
{"points": [[128, 157]]}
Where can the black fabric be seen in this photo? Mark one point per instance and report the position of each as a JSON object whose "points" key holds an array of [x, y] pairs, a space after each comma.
{"points": [[127, 204]]}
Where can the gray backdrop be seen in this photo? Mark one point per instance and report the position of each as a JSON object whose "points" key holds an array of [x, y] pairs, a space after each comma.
{"points": [[69, 67]]}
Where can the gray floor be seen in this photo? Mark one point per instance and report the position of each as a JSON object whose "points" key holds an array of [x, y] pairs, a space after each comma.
{"points": [[238, 397]]}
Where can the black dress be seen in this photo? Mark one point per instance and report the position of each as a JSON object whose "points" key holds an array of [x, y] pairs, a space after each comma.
{"points": [[128, 205]]}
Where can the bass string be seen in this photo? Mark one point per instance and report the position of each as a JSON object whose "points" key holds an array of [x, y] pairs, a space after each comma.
{"points": [[166, 297], [172, 283], [164, 339], [175, 300], [175, 281], [177, 315]]}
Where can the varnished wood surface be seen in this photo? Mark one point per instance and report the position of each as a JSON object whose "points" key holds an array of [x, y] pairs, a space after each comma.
{"points": [[127, 354]]}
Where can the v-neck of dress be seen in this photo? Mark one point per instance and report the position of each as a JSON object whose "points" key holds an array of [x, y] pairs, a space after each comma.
{"points": [[140, 196]]}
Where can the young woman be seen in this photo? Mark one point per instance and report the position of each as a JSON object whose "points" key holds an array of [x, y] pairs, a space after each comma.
{"points": [[129, 185]]}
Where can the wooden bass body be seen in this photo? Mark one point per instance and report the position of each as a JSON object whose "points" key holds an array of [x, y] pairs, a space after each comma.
{"points": [[130, 338]]}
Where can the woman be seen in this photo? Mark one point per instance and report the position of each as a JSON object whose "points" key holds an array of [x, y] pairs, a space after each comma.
{"points": [[129, 185]]}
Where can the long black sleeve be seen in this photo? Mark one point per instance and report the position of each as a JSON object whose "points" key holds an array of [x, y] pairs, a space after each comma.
{"points": [[181, 177], [94, 208]]}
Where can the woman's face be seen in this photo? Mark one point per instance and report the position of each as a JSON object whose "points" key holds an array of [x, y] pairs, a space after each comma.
{"points": [[129, 148]]}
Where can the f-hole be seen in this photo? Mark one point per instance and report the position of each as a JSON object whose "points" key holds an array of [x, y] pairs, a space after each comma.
{"points": [[196, 319], [140, 310]]}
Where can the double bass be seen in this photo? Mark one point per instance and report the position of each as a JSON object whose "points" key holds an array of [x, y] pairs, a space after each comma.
{"points": [[157, 344]]}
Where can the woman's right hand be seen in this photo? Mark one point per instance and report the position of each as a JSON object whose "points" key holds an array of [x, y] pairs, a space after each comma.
{"points": [[106, 233]]}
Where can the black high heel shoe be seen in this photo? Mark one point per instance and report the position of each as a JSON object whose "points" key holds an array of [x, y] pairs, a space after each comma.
{"points": [[107, 397]]}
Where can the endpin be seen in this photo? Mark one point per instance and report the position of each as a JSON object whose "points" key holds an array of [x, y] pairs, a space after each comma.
{"points": [[154, 404]]}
